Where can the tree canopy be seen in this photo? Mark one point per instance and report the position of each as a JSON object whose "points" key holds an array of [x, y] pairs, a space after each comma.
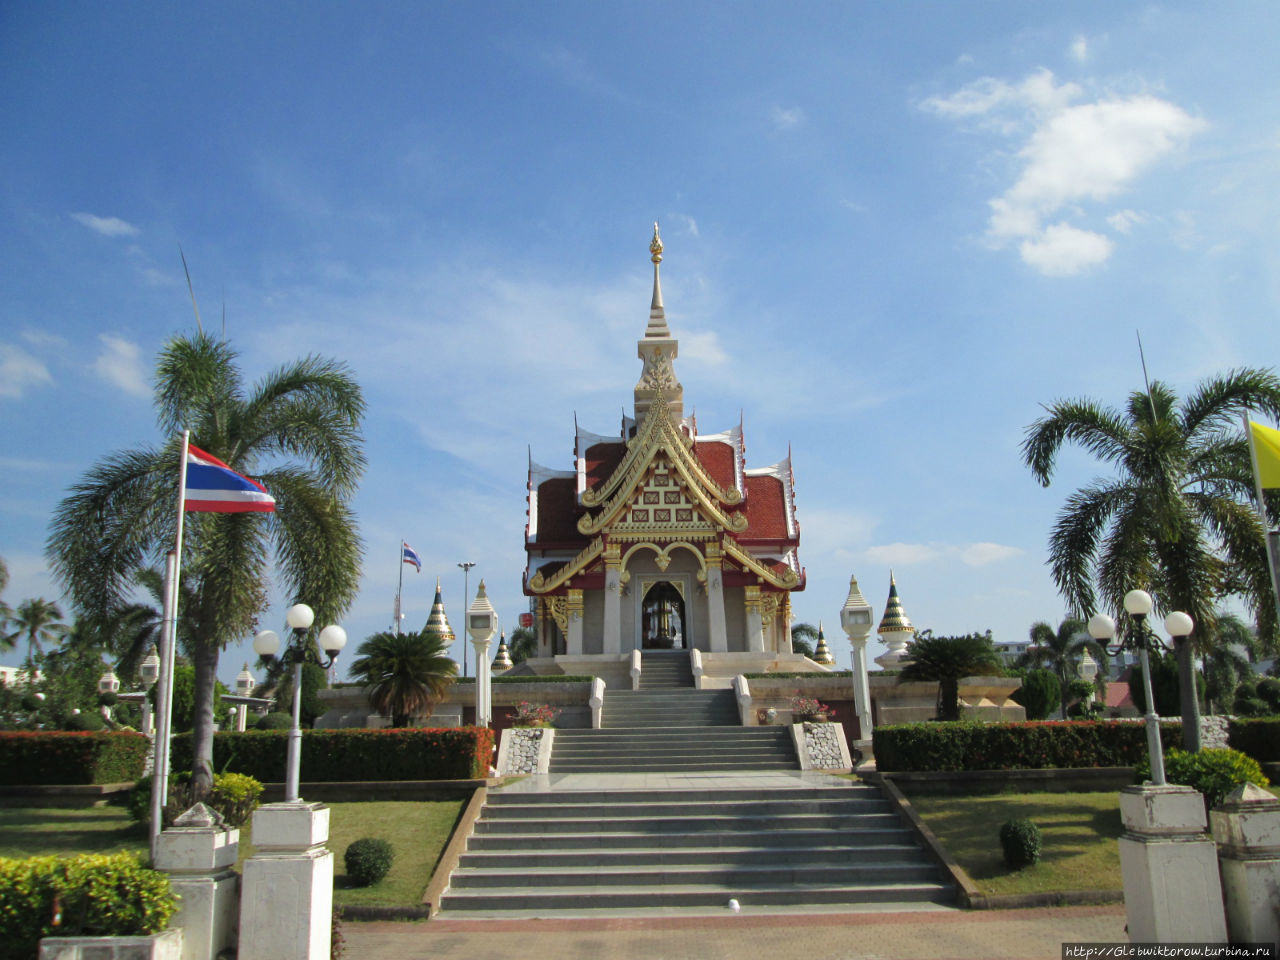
{"points": [[405, 673], [947, 660]]}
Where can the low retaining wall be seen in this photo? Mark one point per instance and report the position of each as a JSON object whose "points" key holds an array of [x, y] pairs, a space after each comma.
{"points": [[1056, 780], [62, 795]]}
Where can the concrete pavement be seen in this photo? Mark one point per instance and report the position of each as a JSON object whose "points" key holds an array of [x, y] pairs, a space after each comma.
{"points": [[917, 935]]}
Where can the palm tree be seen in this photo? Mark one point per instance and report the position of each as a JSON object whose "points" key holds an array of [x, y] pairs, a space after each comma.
{"points": [[298, 431], [38, 622], [1060, 651], [947, 660], [803, 638], [1174, 519], [522, 644], [1229, 661], [406, 673]]}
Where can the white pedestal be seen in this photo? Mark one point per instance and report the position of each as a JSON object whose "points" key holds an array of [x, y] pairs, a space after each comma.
{"points": [[286, 910], [199, 854], [1247, 829], [1172, 893]]}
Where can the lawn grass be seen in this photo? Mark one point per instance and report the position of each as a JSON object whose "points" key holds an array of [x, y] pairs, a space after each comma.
{"points": [[418, 832], [35, 831], [1079, 829]]}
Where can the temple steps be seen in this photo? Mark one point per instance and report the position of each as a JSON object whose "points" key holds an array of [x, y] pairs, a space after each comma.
{"points": [[672, 748], [664, 670], [599, 851]]}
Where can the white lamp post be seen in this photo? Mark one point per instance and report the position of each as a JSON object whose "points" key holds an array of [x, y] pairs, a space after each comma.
{"points": [[1138, 603], [466, 566], [482, 624], [855, 619], [332, 639], [108, 683], [1087, 670], [148, 673]]}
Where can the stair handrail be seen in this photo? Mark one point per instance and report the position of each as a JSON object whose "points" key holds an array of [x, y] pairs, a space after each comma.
{"points": [[742, 690], [635, 669], [695, 664], [596, 702]]}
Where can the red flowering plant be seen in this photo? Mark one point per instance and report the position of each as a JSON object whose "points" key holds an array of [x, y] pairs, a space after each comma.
{"points": [[809, 710], [534, 715]]}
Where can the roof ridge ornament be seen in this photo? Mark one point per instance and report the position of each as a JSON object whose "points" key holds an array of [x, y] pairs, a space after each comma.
{"points": [[657, 313]]}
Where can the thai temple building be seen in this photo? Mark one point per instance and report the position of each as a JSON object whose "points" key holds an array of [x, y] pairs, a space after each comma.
{"points": [[660, 537]]}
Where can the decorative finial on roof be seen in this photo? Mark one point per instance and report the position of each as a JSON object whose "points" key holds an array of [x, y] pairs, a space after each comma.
{"points": [[657, 313]]}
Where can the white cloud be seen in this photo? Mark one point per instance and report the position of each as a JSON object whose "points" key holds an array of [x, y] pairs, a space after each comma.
{"points": [[20, 370], [107, 226], [786, 118], [981, 554], [1079, 49], [704, 347], [120, 364], [1074, 152], [901, 554], [1124, 220], [1062, 250]]}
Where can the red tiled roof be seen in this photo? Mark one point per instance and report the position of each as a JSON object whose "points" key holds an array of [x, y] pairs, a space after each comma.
{"points": [[558, 511], [766, 510], [601, 460], [717, 459]]}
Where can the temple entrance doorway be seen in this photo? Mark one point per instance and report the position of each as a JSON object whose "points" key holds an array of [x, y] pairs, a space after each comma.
{"points": [[662, 618]]}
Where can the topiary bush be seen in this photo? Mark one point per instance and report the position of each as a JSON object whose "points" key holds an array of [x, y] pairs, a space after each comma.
{"points": [[1040, 693], [1215, 773], [82, 722], [1269, 690], [88, 895], [274, 721], [368, 860], [1020, 840]]}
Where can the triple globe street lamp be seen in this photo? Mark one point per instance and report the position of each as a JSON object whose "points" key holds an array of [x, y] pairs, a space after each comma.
{"points": [[1139, 636], [332, 639]]}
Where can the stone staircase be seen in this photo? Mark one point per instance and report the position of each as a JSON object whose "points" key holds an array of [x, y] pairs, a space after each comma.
{"points": [[667, 726], [583, 852]]}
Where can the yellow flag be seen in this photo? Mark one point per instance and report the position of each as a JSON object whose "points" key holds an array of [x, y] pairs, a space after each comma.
{"points": [[1266, 450]]}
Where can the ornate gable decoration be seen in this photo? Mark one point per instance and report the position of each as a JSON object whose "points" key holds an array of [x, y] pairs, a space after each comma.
{"points": [[660, 460]]}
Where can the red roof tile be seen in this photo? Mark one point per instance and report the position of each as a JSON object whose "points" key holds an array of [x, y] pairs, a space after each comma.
{"points": [[601, 460], [766, 510], [558, 511], [717, 459]]}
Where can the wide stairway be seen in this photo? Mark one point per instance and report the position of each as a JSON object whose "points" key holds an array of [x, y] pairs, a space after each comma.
{"points": [[668, 726], [664, 843]]}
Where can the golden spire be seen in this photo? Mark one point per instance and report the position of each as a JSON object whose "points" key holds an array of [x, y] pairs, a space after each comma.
{"points": [[657, 314], [655, 247]]}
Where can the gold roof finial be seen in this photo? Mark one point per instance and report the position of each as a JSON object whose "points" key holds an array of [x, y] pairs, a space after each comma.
{"points": [[655, 246]]}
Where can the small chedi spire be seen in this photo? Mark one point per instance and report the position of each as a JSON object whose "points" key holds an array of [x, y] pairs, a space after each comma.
{"points": [[438, 622], [503, 659], [895, 627], [657, 348], [822, 653]]}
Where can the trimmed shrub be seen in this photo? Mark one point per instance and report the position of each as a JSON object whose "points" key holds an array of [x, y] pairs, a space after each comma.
{"points": [[1269, 690], [51, 757], [453, 753], [1250, 707], [368, 860], [234, 797], [1215, 773], [274, 721], [1020, 840], [91, 722], [88, 895], [1040, 693], [1013, 746], [1260, 739]]}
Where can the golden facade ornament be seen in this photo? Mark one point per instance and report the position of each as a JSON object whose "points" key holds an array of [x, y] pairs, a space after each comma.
{"points": [[556, 606]]}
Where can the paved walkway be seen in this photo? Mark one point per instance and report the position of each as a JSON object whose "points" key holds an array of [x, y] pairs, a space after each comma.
{"points": [[928, 935]]}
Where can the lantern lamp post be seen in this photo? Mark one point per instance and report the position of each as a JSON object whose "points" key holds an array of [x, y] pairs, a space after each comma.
{"points": [[332, 639], [482, 624], [1138, 604], [108, 687], [855, 620]]}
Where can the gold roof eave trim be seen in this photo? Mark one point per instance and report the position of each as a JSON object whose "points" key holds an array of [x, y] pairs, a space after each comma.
{"points": [[789, 581], [540, 584]]}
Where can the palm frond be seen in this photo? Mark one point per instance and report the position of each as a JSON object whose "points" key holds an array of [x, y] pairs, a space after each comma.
{"points": [[1216, 404], [1100, 431]]}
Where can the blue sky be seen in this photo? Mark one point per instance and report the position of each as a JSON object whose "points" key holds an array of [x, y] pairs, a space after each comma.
{"points": [[892, 232]]}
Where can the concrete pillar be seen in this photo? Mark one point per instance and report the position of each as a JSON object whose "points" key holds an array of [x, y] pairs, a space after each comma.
{"points": [[861, 687], [755, 620], [1246, 827], [286, 908], [199, 854], [484, 683], [715, 606], [573, 616], [1172, 892]]}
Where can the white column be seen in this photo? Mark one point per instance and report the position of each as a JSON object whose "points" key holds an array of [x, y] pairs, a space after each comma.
{"points": [[573, 614], [484, 687], [286, 907], [755, 622], [861, 687], [200, 857], [612, 610], [715, 610]]}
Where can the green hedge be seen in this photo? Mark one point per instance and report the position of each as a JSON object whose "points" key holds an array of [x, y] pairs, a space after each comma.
{"points": [[455, 753], [39, 757], [91, 895], [1014, 746], [1259, 738]]}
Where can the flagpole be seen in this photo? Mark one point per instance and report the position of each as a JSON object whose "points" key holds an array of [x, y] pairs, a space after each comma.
{"points": [[168, 646], [400, 587], [1273, 569]]}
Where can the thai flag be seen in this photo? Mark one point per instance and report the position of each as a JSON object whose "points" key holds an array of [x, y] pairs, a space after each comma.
{"points": [[410, 555], [213, 487]]}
